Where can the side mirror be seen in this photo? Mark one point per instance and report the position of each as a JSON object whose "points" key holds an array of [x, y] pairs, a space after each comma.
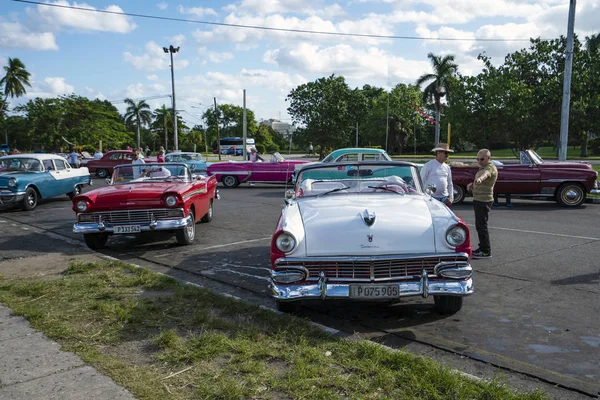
{"points": [[430, 189], [290, 194], [107, 181]]}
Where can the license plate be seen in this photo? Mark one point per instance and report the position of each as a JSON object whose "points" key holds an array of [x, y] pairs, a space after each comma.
{"points": [[123, 229], [374, 291]]}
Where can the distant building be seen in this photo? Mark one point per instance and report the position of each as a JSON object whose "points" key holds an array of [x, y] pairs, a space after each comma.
{"points": [[283, 128]]}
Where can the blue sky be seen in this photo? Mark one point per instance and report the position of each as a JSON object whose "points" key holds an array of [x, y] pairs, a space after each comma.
{"points": [[112, 56]]}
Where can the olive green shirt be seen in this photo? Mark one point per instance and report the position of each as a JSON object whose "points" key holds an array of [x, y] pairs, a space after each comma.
{"points": [[484, 192]]}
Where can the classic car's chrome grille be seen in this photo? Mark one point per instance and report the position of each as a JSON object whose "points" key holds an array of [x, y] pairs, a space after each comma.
{"points": [[131, 216], [376, 268]]}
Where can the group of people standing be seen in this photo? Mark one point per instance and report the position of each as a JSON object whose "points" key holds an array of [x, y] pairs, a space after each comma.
{"points": [[436, 173]]}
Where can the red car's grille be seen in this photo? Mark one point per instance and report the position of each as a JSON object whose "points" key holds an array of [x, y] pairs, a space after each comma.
{"points": [[131, 216], [376, 268]]}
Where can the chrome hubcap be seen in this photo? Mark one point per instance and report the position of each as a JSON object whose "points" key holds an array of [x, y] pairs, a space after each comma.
{"points": [[229, 181], [191, 229], [31, 199], [572, 195]]}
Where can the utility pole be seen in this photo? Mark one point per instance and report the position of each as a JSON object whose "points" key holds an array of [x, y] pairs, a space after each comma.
{"points": [[414, 117], [566, 100], [244, 128], [387, 122], [172, 50], [356, 134], [218, 135], [166, 135]]}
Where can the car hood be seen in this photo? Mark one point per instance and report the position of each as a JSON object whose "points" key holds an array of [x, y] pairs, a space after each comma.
{"points": [[131, 195], [5, 175], [335, 225]]}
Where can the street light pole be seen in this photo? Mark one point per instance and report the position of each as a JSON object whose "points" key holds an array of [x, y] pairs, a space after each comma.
{"points": [[172, 50]]}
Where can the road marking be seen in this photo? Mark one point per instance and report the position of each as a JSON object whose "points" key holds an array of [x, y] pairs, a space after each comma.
{"points": [[217, 269], [541, 233], [246, 266], [235, 243]]}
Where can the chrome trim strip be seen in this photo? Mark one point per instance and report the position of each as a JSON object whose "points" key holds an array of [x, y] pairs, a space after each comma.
{"points": [[160, 225]]}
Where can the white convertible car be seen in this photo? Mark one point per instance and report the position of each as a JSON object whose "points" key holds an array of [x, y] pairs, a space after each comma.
{"points": [[368, 231]]}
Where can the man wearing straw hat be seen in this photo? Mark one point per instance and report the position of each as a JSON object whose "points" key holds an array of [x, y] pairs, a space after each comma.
{"points": [[437, 172]]}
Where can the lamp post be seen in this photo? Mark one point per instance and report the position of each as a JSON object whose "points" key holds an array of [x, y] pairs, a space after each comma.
{"points": [[172, 50]]}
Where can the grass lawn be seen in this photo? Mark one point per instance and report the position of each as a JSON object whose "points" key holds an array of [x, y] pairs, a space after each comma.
{"points": [[161, 339]]}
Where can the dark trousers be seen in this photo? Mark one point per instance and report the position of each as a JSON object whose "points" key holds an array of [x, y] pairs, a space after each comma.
{"points": [[481, 224]]}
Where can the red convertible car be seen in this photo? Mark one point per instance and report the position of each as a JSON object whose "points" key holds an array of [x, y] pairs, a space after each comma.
{"points": [[275, 170], [145, 198], [567, 183], [104, 167]]}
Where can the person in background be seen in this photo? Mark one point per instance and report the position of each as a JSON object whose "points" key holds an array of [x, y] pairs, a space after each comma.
{"points": [[73, 158], [140, 152], [311, 149], [483, 189], [253, 155], [437, 172], [160, 156], [147, 152], [137, 171], [98, 154]]}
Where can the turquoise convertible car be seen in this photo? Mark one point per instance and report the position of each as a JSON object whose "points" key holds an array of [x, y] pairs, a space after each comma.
{"points": [[26, 178], [193, 160]]}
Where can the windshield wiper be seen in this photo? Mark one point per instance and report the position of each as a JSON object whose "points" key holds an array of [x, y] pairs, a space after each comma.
{"points": [[335, 190], [387, 189]]}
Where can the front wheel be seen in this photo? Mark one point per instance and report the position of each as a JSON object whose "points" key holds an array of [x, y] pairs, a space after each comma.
{"points": [[289, 307], [209, 214], [95, 241], [76, 192], [102, 173], [31, 199], [459, 194], [570, 195], [230, 181], [448, 304], [187, 235]]}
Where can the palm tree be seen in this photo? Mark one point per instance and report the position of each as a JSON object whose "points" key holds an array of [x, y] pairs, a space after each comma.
{"points": [[138, 114], [444, 69], [163, 117], [15, 79]]}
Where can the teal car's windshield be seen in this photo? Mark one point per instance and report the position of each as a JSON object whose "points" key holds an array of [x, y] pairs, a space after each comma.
{"points": [[20, 164], [150, 172], [358, 178], [183, 157]]}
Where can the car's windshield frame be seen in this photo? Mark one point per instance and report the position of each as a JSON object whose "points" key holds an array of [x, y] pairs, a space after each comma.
{"points": [[151, 172], [4, 164]]}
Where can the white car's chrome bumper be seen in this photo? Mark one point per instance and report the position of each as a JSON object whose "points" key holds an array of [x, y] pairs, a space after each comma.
{"points": [[322, 289], [158, 225]]}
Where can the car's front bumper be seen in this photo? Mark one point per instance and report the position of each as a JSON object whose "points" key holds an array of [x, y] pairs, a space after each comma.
{"points": [[157, 225], [8, 198]]}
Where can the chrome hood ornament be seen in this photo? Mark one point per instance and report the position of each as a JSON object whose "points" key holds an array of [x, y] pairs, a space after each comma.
{"points": [[368, 218]]}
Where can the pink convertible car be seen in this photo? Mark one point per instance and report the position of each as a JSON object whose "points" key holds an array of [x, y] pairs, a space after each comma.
{"points": [[274, 170]]}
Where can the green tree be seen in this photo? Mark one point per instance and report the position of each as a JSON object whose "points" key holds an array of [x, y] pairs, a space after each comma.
{"points": [[162, 122], [444, 69], [15, 79], [137, 114]]}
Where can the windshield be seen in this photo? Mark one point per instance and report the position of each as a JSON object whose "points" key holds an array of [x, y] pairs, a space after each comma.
{"points": [[358, 178], [183, 157], [20, 164], [150, 172], [536, 158]]}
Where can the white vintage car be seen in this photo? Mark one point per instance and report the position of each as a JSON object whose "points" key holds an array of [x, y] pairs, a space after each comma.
{"points": [[368, 231]]}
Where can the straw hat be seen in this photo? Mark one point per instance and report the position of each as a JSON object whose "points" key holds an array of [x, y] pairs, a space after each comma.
{"points": [[442, 147]]}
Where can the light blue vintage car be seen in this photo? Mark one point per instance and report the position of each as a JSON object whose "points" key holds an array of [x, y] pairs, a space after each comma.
{"points": [[26, 178], [193, 160]]}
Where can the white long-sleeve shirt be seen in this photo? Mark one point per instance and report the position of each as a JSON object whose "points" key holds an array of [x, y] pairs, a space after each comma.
{"points": [[440, 175]]}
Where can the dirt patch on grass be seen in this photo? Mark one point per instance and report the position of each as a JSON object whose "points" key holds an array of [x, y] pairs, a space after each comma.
{"points": [[136, 352], [48, 266]]}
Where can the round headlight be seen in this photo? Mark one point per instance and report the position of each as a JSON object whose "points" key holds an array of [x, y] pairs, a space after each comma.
{"points": [[285, 242], [171, 201], [12, 182], [456, 235], [82, 206]]}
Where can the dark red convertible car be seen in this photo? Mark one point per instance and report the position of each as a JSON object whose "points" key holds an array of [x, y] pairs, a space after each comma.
{"points": [[567, 183], [145, 198], [275, 169], [104, 166]]}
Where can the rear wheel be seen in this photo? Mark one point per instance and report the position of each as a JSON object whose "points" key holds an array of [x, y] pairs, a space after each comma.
{"points": [[570, 195], [448, 304], [230, 181], [76, 192], [187, 235], [95, 241], [209, 214], [102, 173], [459, 194], [30, 200], [289, 307]]}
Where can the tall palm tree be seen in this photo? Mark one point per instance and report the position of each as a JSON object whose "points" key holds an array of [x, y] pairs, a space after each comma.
{"points": [[137, 113], [16, 79], [163, 117], [444, 69]]}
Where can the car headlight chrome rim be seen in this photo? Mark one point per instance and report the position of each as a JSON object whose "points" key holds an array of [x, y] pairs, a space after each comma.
{"points": [[285, 242], [456, 235], [171, 201], [12, 182], [82, 205]]}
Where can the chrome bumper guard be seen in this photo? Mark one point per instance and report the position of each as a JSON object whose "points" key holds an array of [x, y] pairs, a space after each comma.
{"points": [[323, 289], [8, 197], [154, 225]]}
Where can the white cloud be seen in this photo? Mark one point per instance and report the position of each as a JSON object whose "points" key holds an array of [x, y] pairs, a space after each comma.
{"points": [[162, 6], [152, 77], [220, 57], [154, 59], [197, 11], [177, 40], [15, 36], [57, 85], [85, 20]]}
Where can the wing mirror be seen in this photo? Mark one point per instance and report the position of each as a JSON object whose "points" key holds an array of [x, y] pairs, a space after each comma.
{"points": [[290, 195], [107, 181], [430, 189]]}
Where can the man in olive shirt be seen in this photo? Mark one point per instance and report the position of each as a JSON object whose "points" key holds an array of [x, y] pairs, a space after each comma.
{"points": [[483, 196]]}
